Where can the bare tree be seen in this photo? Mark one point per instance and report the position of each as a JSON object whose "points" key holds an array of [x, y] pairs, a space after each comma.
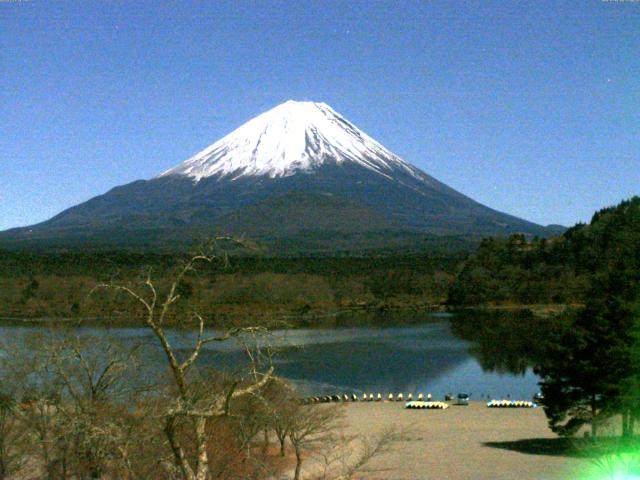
{"points": [[310, 427], [11, 460], [197, 407], [333, 455], [24, 387], [71, 411], [282, 404], [352, 455], [62, 404]]}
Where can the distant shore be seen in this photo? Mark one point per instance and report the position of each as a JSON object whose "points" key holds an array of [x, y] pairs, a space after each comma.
{"points": [[291, 318], [347, 316]]}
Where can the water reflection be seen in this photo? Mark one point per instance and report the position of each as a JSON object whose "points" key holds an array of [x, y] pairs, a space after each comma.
{"points": [[439, 355], [503, 342], [481, 354]]}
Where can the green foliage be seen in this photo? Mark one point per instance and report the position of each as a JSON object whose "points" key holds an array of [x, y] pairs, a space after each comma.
{"points": [[580, 371], [515, 270], [590, 362], [591, 369]]}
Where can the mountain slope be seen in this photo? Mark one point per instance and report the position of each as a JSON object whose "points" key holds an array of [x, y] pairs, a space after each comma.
{"points": [[297, 169], [290, 138]]}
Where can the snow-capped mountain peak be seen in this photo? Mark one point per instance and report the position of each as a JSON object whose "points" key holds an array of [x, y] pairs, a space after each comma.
{"points": [[299, 176], [292, 137]]}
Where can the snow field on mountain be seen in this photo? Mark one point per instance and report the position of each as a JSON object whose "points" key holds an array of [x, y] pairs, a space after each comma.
{"points": [[290, 138]]}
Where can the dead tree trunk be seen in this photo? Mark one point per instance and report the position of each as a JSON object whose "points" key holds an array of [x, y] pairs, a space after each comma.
{"points": [[296, 474], [183, 405]]}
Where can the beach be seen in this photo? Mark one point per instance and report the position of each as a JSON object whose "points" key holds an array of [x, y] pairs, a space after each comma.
{"points": [[464, 442]]}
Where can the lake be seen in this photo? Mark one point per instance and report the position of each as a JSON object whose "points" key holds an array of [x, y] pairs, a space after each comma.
{"points": [[439, 355], [427, 358]]}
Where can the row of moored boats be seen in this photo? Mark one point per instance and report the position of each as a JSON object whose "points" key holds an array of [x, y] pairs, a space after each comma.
{"points": [[366, 398], [511, 404], [419, 405], [420, 402]]}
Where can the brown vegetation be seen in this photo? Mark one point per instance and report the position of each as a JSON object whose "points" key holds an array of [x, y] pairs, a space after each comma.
{"points": [[55, 285], [74, 406]]}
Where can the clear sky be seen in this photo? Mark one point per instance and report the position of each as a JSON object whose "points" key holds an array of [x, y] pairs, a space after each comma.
{"points": [[531, 107]]}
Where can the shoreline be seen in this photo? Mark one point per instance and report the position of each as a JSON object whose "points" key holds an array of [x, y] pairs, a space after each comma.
{"points": [[309, 319]]}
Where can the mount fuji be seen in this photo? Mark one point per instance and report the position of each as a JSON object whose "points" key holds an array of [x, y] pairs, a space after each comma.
{"points": [[299, 174]]}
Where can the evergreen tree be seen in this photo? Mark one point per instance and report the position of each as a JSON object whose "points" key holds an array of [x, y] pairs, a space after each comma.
{"points": [[592, 369], [573, 377]]}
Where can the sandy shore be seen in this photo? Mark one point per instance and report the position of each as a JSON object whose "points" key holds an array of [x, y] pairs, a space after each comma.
{"points": [[472, 442]]}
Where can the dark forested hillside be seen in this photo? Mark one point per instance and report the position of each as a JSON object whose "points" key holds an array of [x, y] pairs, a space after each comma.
{"points": [[514, 270], [502, 271], [37, 285]]}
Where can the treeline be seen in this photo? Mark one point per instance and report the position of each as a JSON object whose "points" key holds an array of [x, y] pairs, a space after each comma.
{"points": [[518, 271], [58, 284], [515, 270], [511, 270], [25, 263]]}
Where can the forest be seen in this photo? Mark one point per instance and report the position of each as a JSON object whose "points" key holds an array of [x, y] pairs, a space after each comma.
{"points": [[56, 285], [588, 356], [511, 271], [560, 270]]}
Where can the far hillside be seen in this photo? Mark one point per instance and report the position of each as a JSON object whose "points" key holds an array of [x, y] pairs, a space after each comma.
{"points": [[512, 271], [50, 285], [518, 271]]}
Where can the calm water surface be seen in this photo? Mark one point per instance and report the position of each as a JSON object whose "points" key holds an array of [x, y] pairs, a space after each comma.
{"points": [[424, 358]]}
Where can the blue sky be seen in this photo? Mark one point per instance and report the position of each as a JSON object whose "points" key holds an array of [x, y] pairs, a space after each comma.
{"points": [[532, 108]]}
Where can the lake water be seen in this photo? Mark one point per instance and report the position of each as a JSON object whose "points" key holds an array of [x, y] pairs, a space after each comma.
{"points": [[424, 358], [427, 358]]}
